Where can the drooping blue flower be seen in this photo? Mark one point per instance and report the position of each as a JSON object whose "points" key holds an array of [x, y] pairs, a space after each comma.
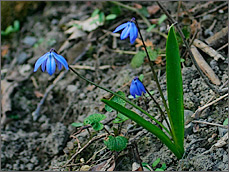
{"points": [[48, 61], [129, 29], [136, 87]]}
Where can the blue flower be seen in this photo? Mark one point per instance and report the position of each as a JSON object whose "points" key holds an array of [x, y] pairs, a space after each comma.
{"points": [[48, 61], [136, 87], [129, 29]]}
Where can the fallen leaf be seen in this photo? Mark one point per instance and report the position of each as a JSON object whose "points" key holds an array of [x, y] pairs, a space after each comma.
{"points": [[159, 60], [90, 87], [136, 167], [153, 9], [4, 50], [138, 6], [148, 43], [38, 94]]}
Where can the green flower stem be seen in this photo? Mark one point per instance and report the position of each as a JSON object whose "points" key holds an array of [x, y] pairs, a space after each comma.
{"points": [[153, 70], [161, 111], [137, 107]]}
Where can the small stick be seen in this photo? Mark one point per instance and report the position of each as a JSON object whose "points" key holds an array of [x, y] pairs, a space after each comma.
{"points": [[198, 111], [208, 123], [86, 145]]}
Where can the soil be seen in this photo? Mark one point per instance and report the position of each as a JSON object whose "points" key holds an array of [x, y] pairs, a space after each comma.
{"points": [[46, 143]]}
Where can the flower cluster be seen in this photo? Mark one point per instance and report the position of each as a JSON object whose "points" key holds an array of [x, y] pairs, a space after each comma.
{"points": [[129, 29], [136, 87], [48, 61]]}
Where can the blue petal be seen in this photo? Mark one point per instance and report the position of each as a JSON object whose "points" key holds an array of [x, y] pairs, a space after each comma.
{"points": [[60, 59], [50, 65], [40, 61], [120, 27], [133, 33], [132, 89], [59, 64], [126, 32], [141, 87], [43, 65]]}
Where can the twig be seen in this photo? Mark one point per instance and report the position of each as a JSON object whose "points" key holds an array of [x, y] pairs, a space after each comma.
{"points": [[224, 46], [137, 155], [90, 67], [199, 110], [86, 145], [208, 123], [172, 21], [212, 10]]}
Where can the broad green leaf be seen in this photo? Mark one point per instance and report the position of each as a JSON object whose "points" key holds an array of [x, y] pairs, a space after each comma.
{"points": [[95, 12], [138, 59], [156, 162], [101, 17], [141, 77], [16, 25], [3, 33], [175, 90], [145, 124], [94, 121], [162, 18], [75, 124], [115, 9], [111, 16], [144, 11], [117, 100], [116, 143], [152, 53], [225, 122]]}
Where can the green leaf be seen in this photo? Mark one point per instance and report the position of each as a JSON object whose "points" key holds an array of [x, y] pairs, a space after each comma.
{"points": [[156, 162], [116, 143], [225, 121], [141, 77], [3, 33], [151, 92], [138, 59], [101, 17], [162, 18], [111, 16], [152, 53], [94, 121], [117, 100], [95, 12], [163, 166], [9, 30], [182, 60], [175, 90], [78, 124], [16, 25], [120, 118], [159, 169], [151, 27], [145, 124]]}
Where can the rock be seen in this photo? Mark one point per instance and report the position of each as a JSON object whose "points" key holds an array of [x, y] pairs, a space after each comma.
{"points": [[222, 131], [22, 57], [30, 166], [29, 40], [187, 115], [57, 139], [71, 88], [188, 129]]}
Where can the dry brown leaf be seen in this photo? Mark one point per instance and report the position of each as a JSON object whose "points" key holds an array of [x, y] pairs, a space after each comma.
{"points": [[38, 94], [159, 60], [136, 167], [148, 43], [138, 6], [153, 9], [4, 50]]}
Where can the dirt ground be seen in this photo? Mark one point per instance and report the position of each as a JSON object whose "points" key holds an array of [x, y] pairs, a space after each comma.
{"points": [[38, 109]]}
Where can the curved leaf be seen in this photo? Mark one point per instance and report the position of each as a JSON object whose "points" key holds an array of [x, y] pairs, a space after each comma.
{"points": [[145, 124]]}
